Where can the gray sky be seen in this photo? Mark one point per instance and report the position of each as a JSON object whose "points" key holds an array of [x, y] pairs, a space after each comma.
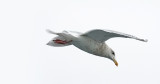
{"points": [[26, 59]]}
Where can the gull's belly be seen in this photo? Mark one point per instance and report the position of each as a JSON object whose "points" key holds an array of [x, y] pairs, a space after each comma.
{"points": [[90, 45]]}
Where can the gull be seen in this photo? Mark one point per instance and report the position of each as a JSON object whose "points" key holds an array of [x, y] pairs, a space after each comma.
{"points": [[92, 41]]}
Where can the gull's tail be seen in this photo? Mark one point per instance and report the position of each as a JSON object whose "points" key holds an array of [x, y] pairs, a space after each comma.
{"points": [[58, 41]]}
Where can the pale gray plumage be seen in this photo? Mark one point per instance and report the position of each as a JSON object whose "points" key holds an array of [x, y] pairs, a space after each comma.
{"points": [[92, 42], [103, 35]]}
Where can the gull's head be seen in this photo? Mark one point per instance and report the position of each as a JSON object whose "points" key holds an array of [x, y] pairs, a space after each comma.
{"points": [[112, 57]]}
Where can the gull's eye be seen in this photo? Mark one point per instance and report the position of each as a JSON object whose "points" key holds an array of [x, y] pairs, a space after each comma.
{"points": [[113, 53]]}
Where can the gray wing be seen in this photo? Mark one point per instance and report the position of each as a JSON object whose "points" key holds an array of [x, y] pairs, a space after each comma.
{"points": [[103, 35]]}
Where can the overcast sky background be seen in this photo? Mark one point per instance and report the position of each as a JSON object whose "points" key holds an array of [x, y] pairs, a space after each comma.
{"points": [[26, 59]]}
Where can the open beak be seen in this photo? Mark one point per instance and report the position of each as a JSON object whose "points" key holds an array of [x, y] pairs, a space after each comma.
{"points": [[115, 62]]}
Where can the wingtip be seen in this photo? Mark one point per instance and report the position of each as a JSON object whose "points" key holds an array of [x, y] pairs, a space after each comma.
{"points": [[49, 31], [144, 40]]}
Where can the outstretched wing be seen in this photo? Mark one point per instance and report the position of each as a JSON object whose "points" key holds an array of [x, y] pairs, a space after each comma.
{"points": [[103, 35]]}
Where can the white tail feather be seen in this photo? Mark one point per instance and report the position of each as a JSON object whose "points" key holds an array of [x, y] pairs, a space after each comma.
{"points": [[61, 36], [52, 43]]}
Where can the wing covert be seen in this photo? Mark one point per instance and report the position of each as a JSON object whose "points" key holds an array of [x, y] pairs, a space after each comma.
{"points": [[103, 35]]}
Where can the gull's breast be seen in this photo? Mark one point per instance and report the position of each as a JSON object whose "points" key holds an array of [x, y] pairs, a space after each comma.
{"points": [[89, 45]]}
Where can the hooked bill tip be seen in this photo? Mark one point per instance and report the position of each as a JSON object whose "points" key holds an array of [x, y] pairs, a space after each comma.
{"points": [[115, 62]]}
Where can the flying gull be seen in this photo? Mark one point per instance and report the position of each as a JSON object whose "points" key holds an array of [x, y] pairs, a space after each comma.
{"points": [[92, 41]]}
